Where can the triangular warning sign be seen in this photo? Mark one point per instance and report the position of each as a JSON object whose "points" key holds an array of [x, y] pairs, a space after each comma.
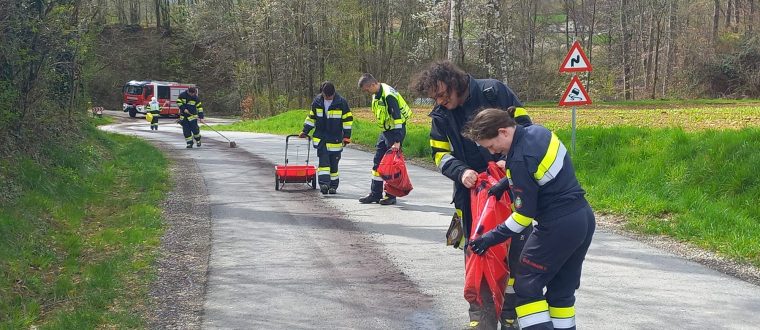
{"points": [[575, 94], [576, 60]]}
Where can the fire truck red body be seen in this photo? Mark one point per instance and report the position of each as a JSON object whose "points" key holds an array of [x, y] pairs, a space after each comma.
{"points": [[137, 94]]}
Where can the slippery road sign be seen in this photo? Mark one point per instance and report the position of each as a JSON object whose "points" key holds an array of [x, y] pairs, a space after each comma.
{"points": [[575, 94], [576, 60]]}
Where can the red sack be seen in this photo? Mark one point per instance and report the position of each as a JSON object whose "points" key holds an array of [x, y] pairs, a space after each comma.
{"points": [[392, 169], [487, 213]]}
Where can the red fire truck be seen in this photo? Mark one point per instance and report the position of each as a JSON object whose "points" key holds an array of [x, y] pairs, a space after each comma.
{"points": [[137, 94]]}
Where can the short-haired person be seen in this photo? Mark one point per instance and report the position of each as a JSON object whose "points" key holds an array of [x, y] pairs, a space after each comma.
{"points": [[541, 177], [458, 96], [331, 120], [391, 112]]}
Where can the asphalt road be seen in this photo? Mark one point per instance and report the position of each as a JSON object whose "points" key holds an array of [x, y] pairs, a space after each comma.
{"points": [[294, 259]]}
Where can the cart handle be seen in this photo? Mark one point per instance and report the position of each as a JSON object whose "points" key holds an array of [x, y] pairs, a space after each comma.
{"points": [[308, 150]]}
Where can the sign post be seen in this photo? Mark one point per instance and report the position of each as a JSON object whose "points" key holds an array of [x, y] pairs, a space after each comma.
{"points": [[575, 94]]}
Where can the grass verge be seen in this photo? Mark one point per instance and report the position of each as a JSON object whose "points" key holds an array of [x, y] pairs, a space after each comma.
{"points": [[78, 243], [697, 186]]}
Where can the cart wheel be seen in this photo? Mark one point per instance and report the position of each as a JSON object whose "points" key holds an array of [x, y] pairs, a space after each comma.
{"points": [[276, 182], [314, 182]]}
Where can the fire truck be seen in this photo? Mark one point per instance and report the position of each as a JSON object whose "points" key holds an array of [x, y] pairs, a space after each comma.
{"points": [[137, 94]]}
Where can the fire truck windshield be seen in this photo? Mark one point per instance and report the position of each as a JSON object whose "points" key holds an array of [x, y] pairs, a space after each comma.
{"points": [[133, 90]]}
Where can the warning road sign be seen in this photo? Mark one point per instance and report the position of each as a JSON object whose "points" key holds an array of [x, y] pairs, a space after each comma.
{"points": [[575, 94], [576, 60]]}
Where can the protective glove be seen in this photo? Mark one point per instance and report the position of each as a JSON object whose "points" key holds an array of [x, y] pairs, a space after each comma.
{"points": [[511, 110], [200, 115], [498, 189], [346, 141], [497, 235], [302, 135]]}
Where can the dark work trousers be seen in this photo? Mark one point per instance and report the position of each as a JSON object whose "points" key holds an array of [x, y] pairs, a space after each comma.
{"points": [[191, 131], [515, 249], [328, 166], [552, 258], [154, 122], [381, 148]]}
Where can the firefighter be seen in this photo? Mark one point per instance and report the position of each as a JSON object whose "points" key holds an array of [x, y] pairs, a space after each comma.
{"points": [[155, 110], [190, 110], [391, 112], [331, 119], [541, 177], [457, 96]]}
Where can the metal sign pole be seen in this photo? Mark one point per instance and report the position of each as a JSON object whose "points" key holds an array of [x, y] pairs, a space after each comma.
{"points": [[573, 133]]}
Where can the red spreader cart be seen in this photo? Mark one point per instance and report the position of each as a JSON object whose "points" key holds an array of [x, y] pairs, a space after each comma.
{"points": [[298, 173]]}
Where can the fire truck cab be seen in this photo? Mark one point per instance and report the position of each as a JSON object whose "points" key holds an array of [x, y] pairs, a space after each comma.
{"points": [[137, 94]]}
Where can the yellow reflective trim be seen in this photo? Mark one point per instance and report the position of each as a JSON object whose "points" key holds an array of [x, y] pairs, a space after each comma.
{"points": [[520, 111], [511, 281], [521, 219], [334, 112], [549, 158], [348, 123], [532, 308], [445, 145], [309, 122], [439, 156], [326, 168], [375, 173], [562, 312], [315, 140], [347, 114]]}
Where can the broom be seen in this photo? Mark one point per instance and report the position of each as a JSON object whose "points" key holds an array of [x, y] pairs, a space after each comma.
{"points": [[232, 143]]}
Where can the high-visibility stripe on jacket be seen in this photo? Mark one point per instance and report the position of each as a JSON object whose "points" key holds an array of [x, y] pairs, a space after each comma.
{"points": [[191, 104]]}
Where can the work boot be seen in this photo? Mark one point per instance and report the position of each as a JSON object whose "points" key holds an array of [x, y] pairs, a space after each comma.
{"points": [[509, 324], [323, 188], [371, 198], [388, 200], [189, 146], [198, 143], [332, 191]]}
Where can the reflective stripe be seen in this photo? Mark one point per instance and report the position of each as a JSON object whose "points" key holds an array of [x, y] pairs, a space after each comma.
{"points": [[319, 112], [521, 219], [334, 146], [445, 145], [442, 158], [335, 114], [562, 312], [520, 111], [324, 170], [532, 308], [189, 138], [376, 176], [315, 141], [552, 162], [533, 319], [334, 176], [513, 225], [398, 126], [398, 121], [511, 281], [510, 290], [309, 122], [197, 136], [348, 124], [347, 114], [567, 323]]}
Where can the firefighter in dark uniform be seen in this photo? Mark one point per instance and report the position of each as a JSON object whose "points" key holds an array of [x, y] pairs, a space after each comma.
{"points": [[542, 180], [458, 96], [392, 112], [331, 119], [190, 110]]}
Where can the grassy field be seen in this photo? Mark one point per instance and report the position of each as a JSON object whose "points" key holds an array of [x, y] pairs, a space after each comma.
{"points": [[682, 170], [79, 239]]}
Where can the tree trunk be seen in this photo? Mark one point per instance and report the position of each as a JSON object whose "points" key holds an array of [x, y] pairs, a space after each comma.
{"points": [[452, 43], [656, 60], [669, 47], [716, 21], [625, 42]]}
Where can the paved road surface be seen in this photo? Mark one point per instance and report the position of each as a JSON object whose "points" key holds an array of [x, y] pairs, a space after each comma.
{"points": [[294, 259]]}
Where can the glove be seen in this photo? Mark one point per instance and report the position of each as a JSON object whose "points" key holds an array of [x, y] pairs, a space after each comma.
{"points": [[346, 141], [302, 135], [497, 235], [511, 110], [200, 115], [498, 189]]}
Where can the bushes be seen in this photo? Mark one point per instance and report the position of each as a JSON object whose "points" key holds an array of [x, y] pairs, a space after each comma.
{"points": [[735, 71]]}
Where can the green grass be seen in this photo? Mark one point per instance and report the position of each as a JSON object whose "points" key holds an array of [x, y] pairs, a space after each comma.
{"points": [[78, 242], [699, 186]]}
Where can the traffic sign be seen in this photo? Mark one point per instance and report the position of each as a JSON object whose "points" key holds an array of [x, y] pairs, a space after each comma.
{"points": [[575, 94], [576, 60]]}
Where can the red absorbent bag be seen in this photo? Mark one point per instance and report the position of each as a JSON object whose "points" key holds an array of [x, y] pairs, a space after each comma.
{"points": [[487, 213], [392, 169]]}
